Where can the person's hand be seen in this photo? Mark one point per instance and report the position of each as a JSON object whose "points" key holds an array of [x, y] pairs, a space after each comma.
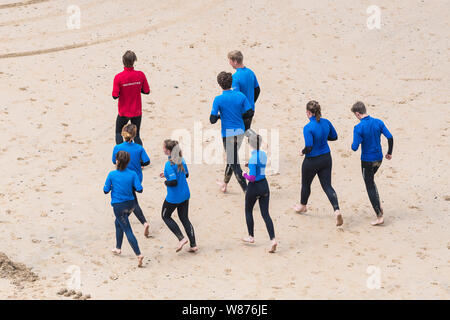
{"points": [[161, 175], [388, 156], [301, 153]]}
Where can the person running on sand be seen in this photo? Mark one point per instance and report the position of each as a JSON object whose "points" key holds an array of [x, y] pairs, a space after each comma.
{"points": [[232, 108], [138, 159], [121, 183], [128, 86], [244, 80], [178, 194], [368, 133], [318, 158], [258, 189]]}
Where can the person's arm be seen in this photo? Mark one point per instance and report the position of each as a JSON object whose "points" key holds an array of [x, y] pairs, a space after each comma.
{"points": [[107, 186], [114, 155], [332, 136], [357, 139], [137, 184], [257, 92], [309, 141], [214, 112], [247, 111], [171, 177], [389, 137], [257, 89], [145, 89], [186, 169], [145, 159], [116, 88]]}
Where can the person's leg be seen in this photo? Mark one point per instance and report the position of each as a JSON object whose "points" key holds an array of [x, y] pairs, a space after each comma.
{"points": [[119, 237], [140, 215], [183, 211], [137, 121], [166, 214], [120, 123], [264, 208], [324, 174], [122, 213], [236, 167], [368, 172], [250, 200], [308, 174]]}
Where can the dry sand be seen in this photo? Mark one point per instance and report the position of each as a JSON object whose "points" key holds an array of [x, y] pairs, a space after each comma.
{"points": [[57, 120]]}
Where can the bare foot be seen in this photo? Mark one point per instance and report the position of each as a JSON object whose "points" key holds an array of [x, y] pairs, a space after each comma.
{"points": [[249, 239], [140, 259], [377, 222], [193, 249], [116, 251], [300, 208], [181, 244], [339, 219], [274, 246], [223, 186], [146, 230]]}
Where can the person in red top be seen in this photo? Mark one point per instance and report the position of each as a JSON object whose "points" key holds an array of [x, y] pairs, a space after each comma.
{"points": [[128, 86]]}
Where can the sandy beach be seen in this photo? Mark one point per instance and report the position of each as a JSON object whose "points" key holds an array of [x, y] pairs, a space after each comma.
{"points": [[58, 120]]}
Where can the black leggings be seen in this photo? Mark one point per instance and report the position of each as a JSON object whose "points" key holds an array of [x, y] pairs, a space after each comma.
{"points": [[258, 190], [183, 209], [121, 122], [368, 171], [137, 210], [320, 165], [232, 145]]}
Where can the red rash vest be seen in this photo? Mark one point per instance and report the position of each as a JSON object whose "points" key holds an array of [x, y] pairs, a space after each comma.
{"points": [[128, 86]]}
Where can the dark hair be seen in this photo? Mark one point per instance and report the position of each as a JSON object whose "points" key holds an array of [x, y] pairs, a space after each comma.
{"points": [[359, 107], [123, 158], [128, 59], [255, 141], [176, 156], [236, 56], [129, 132], [225, 80], [314, 107]]}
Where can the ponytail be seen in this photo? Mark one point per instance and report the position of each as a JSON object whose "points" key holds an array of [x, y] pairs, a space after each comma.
{"points": [[314, 107], [176, 156]]}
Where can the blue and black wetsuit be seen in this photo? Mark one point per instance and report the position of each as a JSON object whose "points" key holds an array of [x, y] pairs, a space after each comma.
{"points": [[178, 195], [121, 184], [368, 133], [138, 159], [258, 189], [318, 159]]}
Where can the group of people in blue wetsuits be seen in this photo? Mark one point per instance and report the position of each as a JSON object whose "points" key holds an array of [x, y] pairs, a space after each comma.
{"points": [[235, 108]]}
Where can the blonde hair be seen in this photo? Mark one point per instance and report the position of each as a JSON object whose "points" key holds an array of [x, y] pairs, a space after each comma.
{"points": [[129, 132], [176, 156], [236, 56]]}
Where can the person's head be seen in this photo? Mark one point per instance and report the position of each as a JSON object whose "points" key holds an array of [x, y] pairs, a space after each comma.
{"points": [[122, 160], [128, 59], [255, 141], [225, 80], [235, 58], [172, 148], [313, 109], [359, 110], [129, 132]]}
